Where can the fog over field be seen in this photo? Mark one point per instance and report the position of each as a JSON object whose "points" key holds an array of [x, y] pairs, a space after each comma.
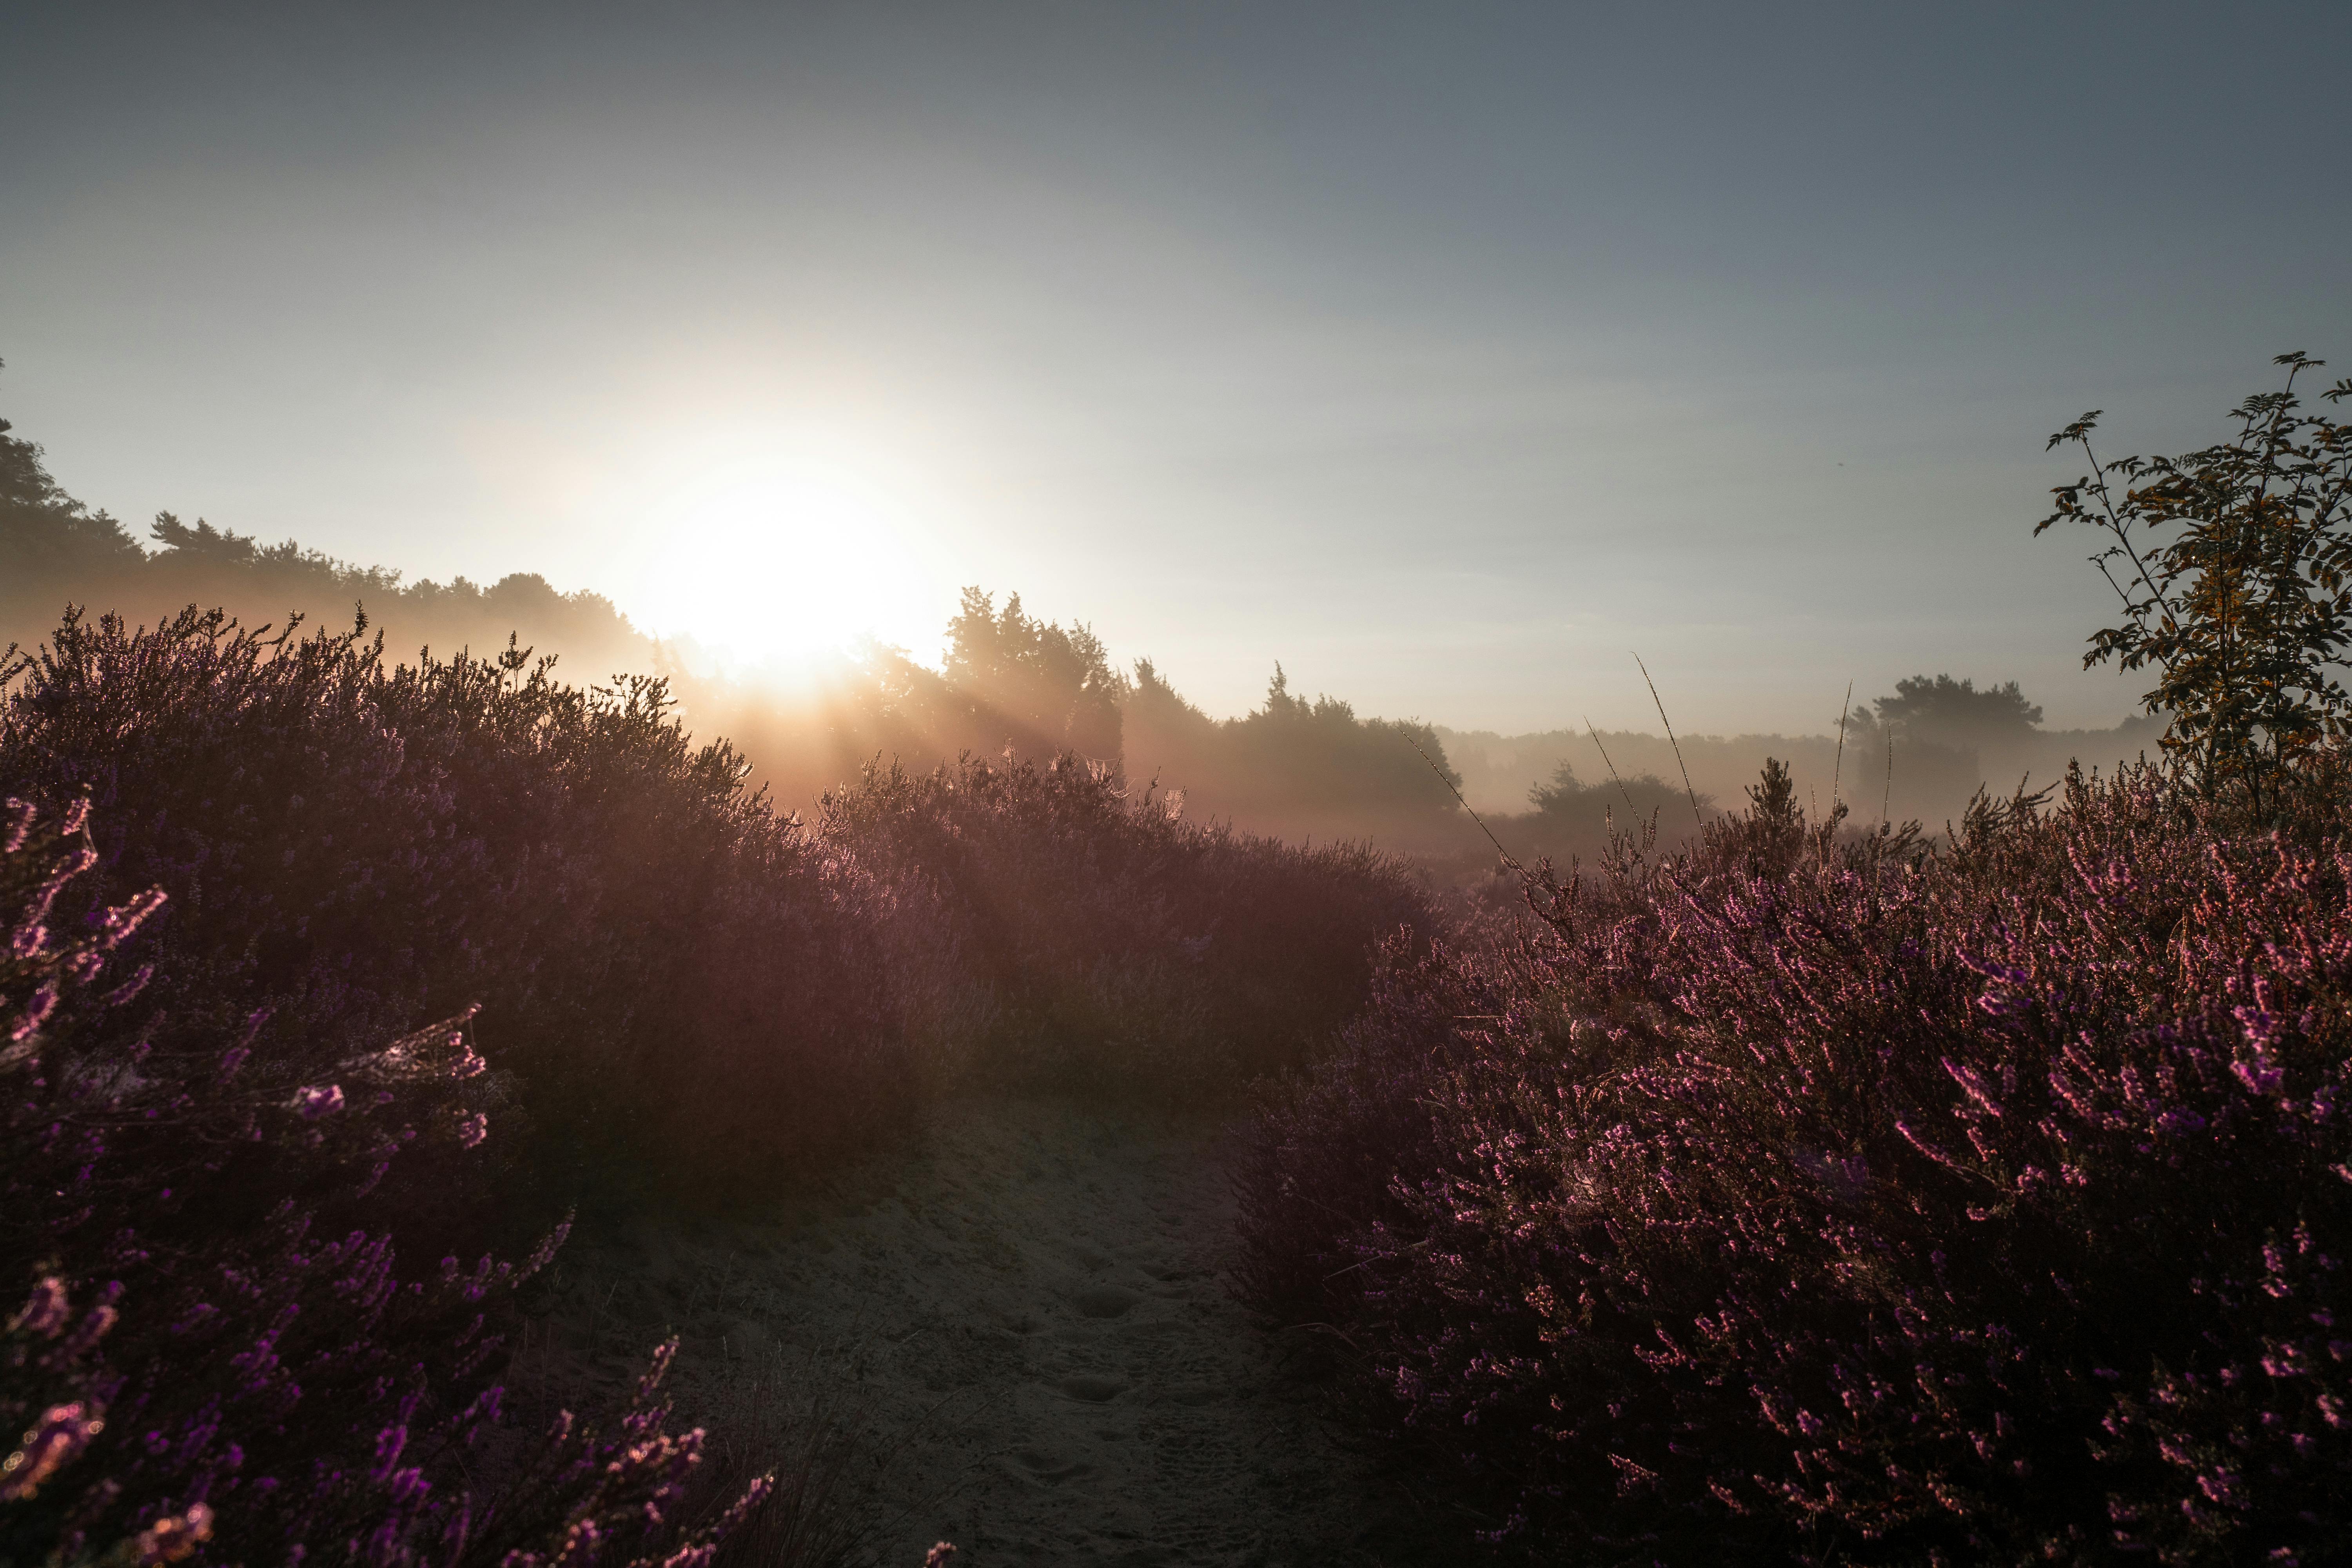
{"points": [[1446, 358], [1292, 765]]}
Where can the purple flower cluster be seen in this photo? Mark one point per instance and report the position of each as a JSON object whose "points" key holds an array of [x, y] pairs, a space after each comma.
{"points": [[1802, 1197], [230, 1374]]}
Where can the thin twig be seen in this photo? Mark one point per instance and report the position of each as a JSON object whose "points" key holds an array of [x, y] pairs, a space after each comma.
{"points": [[1509, 858], [1887, 806], [1837, 772], [1677, 745], [2121, 529], [1630, 806]]}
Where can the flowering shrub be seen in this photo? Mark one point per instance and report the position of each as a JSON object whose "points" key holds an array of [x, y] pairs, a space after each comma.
{"points": [[1116, 944], [664, 962], [208, 1360], [255, 859], [1794, 1199]]}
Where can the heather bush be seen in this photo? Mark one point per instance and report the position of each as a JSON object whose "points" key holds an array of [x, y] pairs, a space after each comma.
{"points": [[218, 1354], [1111, 944], [1825, 1198], [678, 980]]}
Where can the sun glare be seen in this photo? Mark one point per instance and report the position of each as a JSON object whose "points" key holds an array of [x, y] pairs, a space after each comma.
{"points": [[782, 564]]}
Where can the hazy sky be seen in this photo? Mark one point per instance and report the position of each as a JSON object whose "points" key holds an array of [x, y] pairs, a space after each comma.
{"points": [[1444, 353]]}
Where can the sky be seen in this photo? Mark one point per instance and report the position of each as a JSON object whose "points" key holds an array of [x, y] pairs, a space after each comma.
{"points": [[1449, 354]]}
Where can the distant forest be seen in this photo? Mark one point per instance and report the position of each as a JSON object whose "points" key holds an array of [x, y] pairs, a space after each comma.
{"points": [[1012, 682]]}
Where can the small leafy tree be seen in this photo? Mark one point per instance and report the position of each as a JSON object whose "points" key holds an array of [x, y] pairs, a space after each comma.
{"points": [[2246, 606]]}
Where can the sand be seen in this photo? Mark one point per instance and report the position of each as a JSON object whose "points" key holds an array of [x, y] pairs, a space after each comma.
{"points": [[1024, 1318]]}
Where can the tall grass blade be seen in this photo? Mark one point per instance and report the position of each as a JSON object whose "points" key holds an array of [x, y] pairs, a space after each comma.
{"points": [[1628, 793], [1509, 858], [1837, 773], [1696, 815]]}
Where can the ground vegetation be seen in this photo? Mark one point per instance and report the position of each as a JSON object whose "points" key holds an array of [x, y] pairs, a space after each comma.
{"points": [[1809, 1193]]}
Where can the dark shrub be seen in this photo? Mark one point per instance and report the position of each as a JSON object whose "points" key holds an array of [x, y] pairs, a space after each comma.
{"points": [[1797, 1200], [675, 986], [1119, 945], [675, 978], [219, 1352]]}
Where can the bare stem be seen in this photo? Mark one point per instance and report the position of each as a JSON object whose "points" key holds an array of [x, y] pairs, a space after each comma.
{"points": [[1509, 858], [1630, 806], [1677, 745], [1837, 769]]}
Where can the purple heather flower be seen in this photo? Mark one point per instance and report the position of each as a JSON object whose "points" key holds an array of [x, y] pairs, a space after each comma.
{"points": [[47, 1312], [35, 1012], [173, 1537], [62, 1431], [22, 813], [318, 1100]]}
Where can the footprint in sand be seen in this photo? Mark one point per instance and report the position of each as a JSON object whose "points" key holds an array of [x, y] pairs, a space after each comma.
{"points": [[1092, 1389], [1105, 1301], [1040, 1465]]}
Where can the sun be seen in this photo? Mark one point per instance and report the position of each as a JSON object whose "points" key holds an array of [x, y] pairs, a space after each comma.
{"points": [[784, 563]]}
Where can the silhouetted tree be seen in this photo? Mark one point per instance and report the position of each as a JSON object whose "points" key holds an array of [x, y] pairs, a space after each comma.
{"points": [[1570, 800], [45, 533], [2245, 609], [1319, 755], [54, 551], [1292, 765], [1942, 712], [1053, 687]]}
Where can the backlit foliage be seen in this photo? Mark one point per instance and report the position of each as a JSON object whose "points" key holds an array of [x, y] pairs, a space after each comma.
{"points": [[1799, 1200], [2234, 566]]}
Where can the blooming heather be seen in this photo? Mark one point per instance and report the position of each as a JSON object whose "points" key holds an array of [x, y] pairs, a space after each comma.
{"points": [[239, 867], [1800, 1199], [204, 1363], [349, 846]]}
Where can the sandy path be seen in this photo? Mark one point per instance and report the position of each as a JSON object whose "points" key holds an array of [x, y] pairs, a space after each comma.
{"points": [[1027, 1316]]}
